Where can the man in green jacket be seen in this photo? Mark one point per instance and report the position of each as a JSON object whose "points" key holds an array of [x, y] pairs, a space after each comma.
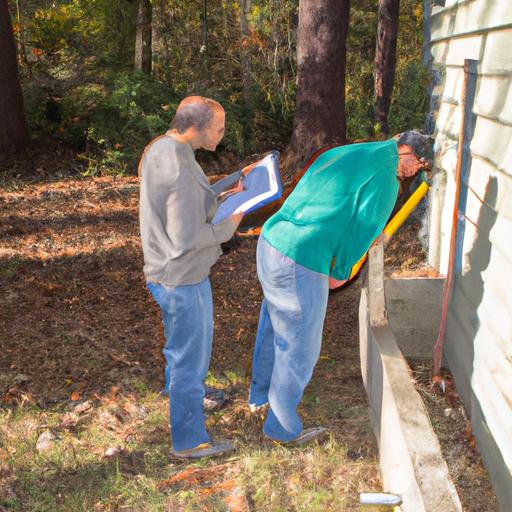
{"points": [[328, 222]]}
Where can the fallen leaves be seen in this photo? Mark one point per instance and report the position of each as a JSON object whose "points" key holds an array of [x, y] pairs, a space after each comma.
{"points": [[83, 407], [83, 311], [207, 482], [112, 451], [192, 476]]}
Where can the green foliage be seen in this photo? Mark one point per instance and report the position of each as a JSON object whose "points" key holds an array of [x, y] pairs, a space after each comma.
{"points": [[410, 99], [79, 84], [54, 28], [110, 121], [103, 30]]}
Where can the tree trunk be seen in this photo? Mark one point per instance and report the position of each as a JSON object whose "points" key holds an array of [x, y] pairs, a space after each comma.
{"points": [[204, 46], [385, 60], [161, 17], [13, 125], [143, 37], [320, 102], [245, 7], [245, 61], [22, 53]]}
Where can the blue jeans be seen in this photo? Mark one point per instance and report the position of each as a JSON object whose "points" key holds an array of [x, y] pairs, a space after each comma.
{"points": [[187, 313], [288, 340]]}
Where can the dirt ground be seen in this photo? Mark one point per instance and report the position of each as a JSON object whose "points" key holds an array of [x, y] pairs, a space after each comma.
{"points": [[77, 323]]}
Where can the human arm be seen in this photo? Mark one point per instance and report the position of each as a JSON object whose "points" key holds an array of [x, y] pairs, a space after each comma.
{"points": [[237, 188], [186, 224], [186, 204], [226, 183], [335, 283]]}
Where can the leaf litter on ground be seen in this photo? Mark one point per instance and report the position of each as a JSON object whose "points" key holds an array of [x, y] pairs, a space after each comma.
{"points": [[81, 329]]}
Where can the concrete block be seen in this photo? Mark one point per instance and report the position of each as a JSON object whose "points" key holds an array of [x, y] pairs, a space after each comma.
{"points": [[410, 455], [414, 311]]}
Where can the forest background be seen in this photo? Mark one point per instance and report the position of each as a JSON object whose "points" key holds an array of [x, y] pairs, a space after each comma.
{"points": [[80, 86]]}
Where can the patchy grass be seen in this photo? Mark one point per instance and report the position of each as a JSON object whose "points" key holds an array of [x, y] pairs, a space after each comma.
{"points": [[80, 359], [112, 454]]}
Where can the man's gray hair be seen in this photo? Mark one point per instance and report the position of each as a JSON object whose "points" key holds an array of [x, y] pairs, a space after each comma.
{"points": [[194, 112], [422, 145]]}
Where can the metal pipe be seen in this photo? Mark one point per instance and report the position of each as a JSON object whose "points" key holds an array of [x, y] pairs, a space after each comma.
{"points": [[384, 499], [469, 72], [397, 220]]}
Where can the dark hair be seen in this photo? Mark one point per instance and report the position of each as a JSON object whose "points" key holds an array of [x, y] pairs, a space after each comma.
{"points": [[420, 144], [194, 113]]}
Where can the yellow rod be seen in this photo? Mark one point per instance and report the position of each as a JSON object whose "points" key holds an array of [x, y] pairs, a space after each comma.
{"points": [[406, 210], [399, 218]]}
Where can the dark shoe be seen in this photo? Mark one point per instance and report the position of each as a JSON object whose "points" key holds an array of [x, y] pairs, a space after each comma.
{"points": [[204, 450], [309, 434], [214, 399], [306, 436]]}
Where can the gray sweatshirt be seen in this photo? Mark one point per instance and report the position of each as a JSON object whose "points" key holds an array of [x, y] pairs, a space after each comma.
{"points": [[176, 207]]}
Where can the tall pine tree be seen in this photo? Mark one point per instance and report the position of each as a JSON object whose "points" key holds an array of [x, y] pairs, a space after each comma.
{"points": [[385, 60], [143, 54], [321, 57], [13, 124]]}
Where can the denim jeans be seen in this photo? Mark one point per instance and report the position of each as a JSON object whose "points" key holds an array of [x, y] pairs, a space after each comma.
{"points": [[187, 314], [288, 340]]}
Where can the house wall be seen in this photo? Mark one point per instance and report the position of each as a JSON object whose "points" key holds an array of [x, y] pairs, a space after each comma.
{"points": [[478, 345]]}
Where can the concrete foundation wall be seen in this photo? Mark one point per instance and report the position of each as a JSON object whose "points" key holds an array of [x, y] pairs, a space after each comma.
{"points": [[414, 310], [411, 461]]}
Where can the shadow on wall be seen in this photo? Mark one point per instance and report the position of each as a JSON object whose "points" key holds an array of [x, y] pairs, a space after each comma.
{"points": [[465, 344], [468, 291]]}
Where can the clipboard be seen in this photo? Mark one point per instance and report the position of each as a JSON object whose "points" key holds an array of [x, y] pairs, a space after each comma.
{"points": [[262, 185]]}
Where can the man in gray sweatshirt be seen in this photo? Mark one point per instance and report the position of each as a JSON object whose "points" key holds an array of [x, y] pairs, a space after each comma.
{"points": [[180, 245]]}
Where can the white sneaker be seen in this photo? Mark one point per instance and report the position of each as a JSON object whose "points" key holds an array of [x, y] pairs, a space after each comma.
{"points": [[256, 408]]}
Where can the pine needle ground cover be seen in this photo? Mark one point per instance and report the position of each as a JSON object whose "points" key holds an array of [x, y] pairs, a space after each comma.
{"points": [[82, 424], [81, 363]]}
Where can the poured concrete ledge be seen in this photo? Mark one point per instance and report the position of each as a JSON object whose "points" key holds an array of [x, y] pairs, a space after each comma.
{"points": [[411, 461], [413, 305]]}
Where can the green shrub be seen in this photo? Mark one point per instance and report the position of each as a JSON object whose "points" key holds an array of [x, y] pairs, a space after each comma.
{"points": [[410, 97]]}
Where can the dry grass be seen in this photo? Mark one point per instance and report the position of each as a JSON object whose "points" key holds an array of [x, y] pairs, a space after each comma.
{"points": [[453, 430]]}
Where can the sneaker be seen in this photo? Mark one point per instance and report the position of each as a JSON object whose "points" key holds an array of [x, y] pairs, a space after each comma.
{"points": [[306, 436], [204, 450], [214, 399]]}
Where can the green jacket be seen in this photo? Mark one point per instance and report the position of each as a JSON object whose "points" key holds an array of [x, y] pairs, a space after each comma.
{"points": [[338, 208]]}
